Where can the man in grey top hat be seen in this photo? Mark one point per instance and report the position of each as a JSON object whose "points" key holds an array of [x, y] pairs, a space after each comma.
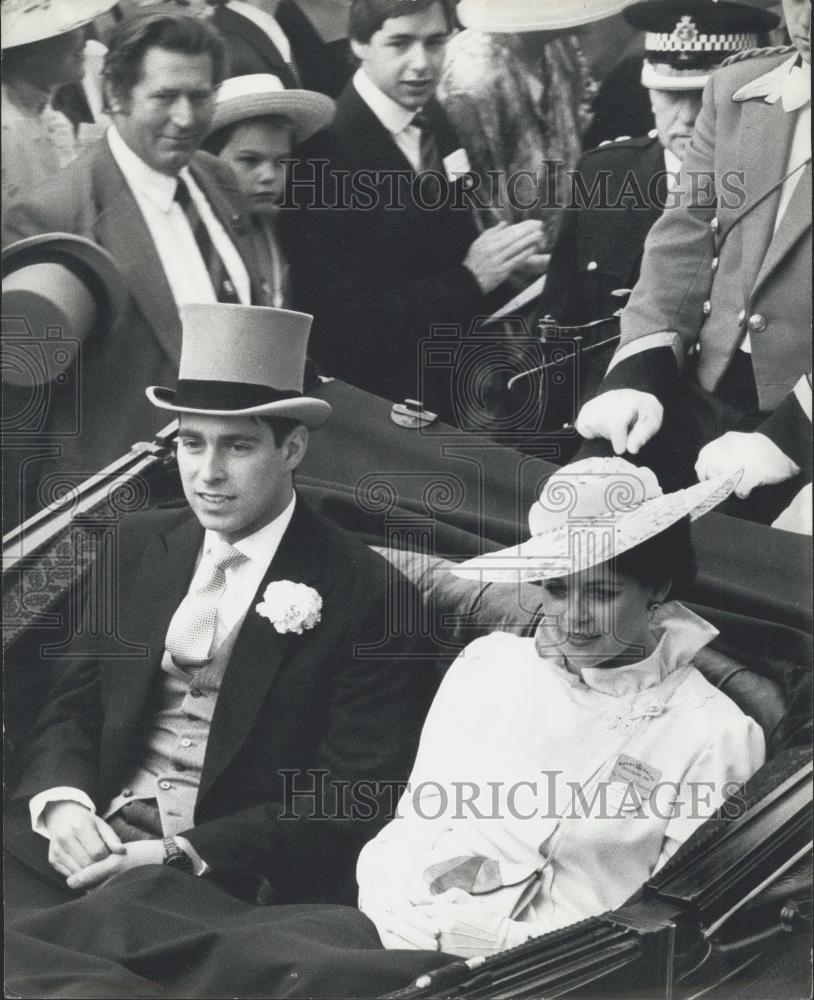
{"points": [[260, 737], [725, 286], [171, 217]]}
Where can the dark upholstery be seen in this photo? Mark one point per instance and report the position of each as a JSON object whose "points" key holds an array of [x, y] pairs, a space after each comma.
{"points": [[462, 610]]}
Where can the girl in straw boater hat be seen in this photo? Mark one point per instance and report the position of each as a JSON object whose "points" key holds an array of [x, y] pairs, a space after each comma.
{"points": [[557, 772], [255, 128]]}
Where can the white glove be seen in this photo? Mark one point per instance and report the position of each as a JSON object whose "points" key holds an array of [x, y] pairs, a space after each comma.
{"points": [[627, 418], [469, 928], [762, 462]]}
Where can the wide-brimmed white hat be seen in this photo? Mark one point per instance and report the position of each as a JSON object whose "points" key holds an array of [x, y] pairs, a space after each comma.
{"points": [[242, 361], [509, 16], [27, 21], [259, 94], [590, 512]]}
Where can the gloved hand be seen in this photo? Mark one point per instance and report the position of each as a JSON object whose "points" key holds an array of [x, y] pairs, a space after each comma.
{"points": [[627, 418], [762, 462]]}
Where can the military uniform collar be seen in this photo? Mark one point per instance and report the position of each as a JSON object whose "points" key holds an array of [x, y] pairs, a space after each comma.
{"points": [[769, 85]]}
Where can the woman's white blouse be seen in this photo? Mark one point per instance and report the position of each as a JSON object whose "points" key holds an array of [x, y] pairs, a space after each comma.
{"points": [[593, 780]]}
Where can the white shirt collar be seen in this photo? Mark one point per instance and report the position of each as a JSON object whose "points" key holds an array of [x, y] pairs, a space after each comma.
{"points": [[796, 92], [771, 85], [392, 115], [671, 162], [158, 187], [260, 546], [678, 633]]}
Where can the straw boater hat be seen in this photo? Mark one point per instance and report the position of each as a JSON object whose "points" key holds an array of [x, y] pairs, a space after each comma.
{"points": [[258, 94], [510, 16], [27, 21], [590, 512], [242, 361], [685, 40], [57, 282]]}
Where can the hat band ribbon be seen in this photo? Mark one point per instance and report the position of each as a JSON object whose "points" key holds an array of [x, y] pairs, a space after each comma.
{"points": [[216, 395]]}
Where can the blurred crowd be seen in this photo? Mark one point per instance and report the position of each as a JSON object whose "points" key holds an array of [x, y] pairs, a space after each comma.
{"points": [[394, 169]]}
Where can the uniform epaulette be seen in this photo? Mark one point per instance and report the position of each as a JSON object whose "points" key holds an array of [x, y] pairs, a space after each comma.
{"points": [[773, 50]]}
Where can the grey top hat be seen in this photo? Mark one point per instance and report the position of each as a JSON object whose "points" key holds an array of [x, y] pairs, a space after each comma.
{"points": [[55, 282], [242, 361]]}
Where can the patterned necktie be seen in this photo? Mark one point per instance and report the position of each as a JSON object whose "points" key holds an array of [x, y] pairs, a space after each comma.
{"points": [[431, 158], [222, 284], [192, 629]]}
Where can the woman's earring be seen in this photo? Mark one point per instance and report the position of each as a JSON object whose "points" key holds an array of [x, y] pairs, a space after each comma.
{"points": [[654, 605]]}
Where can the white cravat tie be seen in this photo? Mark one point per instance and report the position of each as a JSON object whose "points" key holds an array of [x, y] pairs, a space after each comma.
{"points": [[192, 629]]}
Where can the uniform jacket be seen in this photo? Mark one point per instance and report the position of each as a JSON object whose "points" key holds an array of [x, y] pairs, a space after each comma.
{"points": [[334, 704], [101, 409], [715, 268], [599, 248], [377, 276]]}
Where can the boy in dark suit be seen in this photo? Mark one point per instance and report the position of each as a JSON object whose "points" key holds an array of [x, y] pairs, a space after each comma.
{"points": [[384, 244]]}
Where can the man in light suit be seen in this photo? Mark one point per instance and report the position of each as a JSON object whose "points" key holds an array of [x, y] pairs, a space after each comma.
{"points": [[125, 194], [261, 738], [379, 252], [725, 282]]}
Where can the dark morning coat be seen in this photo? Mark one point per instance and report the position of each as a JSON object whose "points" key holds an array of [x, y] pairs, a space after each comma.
{"points": [[599, 247], [376, 276], [101, 409], [340, 699]]}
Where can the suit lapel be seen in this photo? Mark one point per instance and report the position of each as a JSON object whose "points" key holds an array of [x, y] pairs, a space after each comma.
{"points": [[121, 229], [765, 140], [225, 200], [374, 146], [155, 592], [259, 651], [795, 223]]}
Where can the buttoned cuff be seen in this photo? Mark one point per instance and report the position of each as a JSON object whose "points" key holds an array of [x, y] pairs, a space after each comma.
{"points": [[61, 793], [649, 364]]}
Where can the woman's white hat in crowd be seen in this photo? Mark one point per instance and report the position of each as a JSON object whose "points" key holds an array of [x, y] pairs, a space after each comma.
{"points": [[590, 512], [242, 361], [27, 21], [257, 95], [509, 16]]}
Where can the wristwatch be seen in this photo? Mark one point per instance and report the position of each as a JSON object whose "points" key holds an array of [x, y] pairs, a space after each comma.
{"points": [[175, 857]]}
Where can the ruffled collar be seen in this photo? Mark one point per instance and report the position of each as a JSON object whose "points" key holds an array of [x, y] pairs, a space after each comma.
{"points": [[677, 633]]}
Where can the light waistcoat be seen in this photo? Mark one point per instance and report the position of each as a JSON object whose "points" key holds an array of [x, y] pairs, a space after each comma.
{"points": [[174, 751]]}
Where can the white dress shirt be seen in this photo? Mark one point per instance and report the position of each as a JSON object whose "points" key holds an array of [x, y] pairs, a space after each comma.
{"points": [[171, 232], [242, 581], [396, 119]]}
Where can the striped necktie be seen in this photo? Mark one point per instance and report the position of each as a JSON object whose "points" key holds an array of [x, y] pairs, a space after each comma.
{"points": [[192, 629], [431, 158], [221, 282]]}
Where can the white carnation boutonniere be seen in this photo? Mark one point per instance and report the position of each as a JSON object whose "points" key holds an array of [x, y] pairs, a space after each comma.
{"points": [[290, 607]]}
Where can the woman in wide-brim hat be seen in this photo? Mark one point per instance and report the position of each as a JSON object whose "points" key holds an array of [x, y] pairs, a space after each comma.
{"points": [[557, 772], [255, 128]]}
